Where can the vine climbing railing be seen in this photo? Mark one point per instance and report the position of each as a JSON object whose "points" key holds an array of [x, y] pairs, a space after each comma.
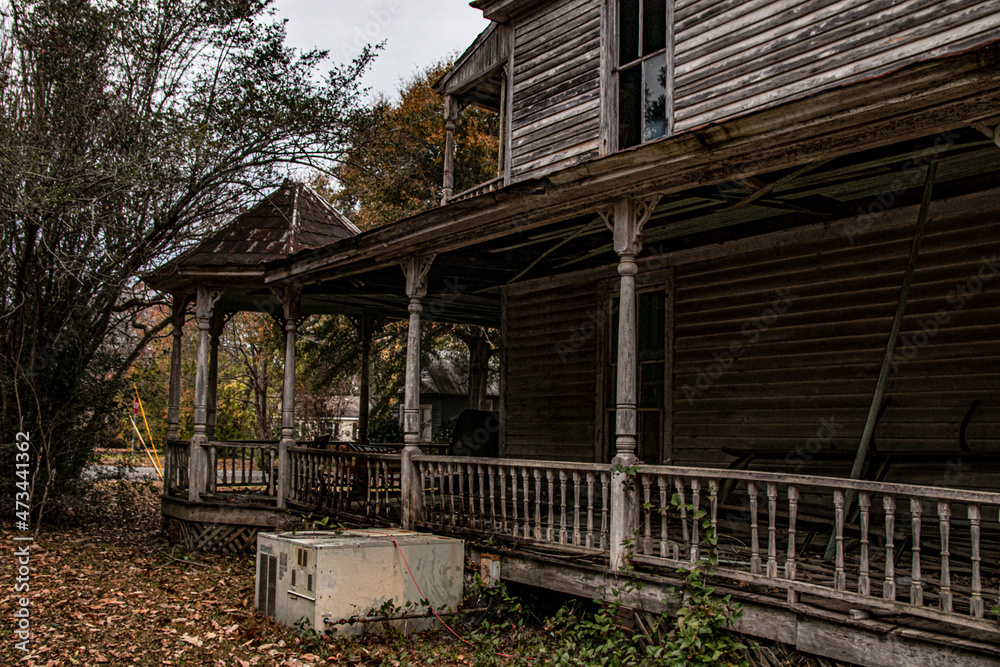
{"points": [[925, 552], [896, 548]]}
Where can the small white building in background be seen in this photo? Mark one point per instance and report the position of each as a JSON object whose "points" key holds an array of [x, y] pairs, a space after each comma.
{"points": [[336, 416]]}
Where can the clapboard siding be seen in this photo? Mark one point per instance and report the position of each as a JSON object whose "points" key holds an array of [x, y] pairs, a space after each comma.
{"points": [[556, 107], [550, 355], [736, 57], [814, 359]]}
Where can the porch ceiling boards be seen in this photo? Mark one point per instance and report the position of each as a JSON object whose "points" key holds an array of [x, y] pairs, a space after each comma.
{"points": [[833, 156]]}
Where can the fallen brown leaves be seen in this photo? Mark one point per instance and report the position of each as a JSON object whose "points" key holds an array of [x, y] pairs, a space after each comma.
{"points": [[107, 591]]}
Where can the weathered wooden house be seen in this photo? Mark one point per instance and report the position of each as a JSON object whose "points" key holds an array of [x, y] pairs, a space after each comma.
{"points": [[745, 252]]}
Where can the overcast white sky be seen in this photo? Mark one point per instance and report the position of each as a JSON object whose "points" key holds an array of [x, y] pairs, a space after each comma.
{"points": [[416, 32]]}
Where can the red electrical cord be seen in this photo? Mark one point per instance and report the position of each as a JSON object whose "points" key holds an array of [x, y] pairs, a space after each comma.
{"points": [[424, 597]]}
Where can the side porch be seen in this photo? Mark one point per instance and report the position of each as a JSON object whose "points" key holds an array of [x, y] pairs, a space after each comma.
{"points": [[766, 347]]}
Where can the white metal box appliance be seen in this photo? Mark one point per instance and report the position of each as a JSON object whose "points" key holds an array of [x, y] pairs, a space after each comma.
{"points": [[325, 577]]}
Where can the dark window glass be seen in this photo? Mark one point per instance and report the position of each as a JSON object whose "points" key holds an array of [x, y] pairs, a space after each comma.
{"points": [[650, 398], [654, 26], [650, 432], [655, 91], [652, 318], [642, 59], [613, 319], [628, 30], [651, 385], [630, 106]]}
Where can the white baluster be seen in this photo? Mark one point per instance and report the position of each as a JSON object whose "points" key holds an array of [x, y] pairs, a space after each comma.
{"points": [[839, 577], [944, 521], [790, 565], [864, 579], [917, 583], [772, 530], [976, 600], [889, 585]]}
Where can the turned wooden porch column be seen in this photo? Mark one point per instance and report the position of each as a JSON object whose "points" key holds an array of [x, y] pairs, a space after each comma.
{"points": [[198, 471], [212, 398], [178, 310], [365, 325], [290, 300], [450, 121], [416, 269], [626, 220]]}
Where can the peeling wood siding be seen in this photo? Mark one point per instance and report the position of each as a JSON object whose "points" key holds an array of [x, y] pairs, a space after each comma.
{"points": [[550, 348], [556, 106], [736, 56], [819, 360]]}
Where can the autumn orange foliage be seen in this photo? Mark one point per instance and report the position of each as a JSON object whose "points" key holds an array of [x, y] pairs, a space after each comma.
{"points": [[396, 166]]}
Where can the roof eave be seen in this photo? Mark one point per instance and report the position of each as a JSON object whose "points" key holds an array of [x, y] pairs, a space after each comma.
{"points": [[917, 100]]}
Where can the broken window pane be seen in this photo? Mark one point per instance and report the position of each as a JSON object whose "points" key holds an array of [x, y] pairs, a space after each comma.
{"points": [[655, 93]]}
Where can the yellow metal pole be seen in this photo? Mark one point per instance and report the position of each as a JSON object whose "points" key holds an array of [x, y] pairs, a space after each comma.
{"points": [[159, 466], [144, 447]]}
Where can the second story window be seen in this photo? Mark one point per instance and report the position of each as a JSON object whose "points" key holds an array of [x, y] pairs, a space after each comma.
{"points": [[642, 71]]}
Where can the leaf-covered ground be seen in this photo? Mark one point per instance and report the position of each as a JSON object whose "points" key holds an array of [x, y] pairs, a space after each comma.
{"points": [[106, 589]]}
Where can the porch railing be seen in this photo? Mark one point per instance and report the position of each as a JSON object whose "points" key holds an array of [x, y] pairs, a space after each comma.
{"points": [[563, 504], [354, 484], [175, 468], [897, 549], [246, 468], [481, 189], [874, 548]]}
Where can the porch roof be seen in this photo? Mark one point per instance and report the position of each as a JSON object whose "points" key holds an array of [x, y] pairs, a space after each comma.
{"points": [[816, 159], [476, 76]]}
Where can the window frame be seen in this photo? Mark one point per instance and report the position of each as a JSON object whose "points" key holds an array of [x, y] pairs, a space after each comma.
{"points": [[426, 427], [611, 70], [608, 400]]}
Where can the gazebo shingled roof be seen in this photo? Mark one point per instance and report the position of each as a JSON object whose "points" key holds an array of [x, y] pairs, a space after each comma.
{"points": [[290, 219]]}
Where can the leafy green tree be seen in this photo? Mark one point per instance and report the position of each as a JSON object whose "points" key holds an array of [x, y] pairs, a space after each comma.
{"points": [[128, 127]]}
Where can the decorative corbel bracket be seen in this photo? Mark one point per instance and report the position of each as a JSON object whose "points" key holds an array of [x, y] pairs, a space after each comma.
{"points": [[290, 298], [219, 321], [179, 311], [626, 220], [416, 268], [205, 304]]}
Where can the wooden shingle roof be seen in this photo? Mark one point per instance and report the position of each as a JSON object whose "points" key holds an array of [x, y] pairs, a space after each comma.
{"points": [[290, 219]]}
